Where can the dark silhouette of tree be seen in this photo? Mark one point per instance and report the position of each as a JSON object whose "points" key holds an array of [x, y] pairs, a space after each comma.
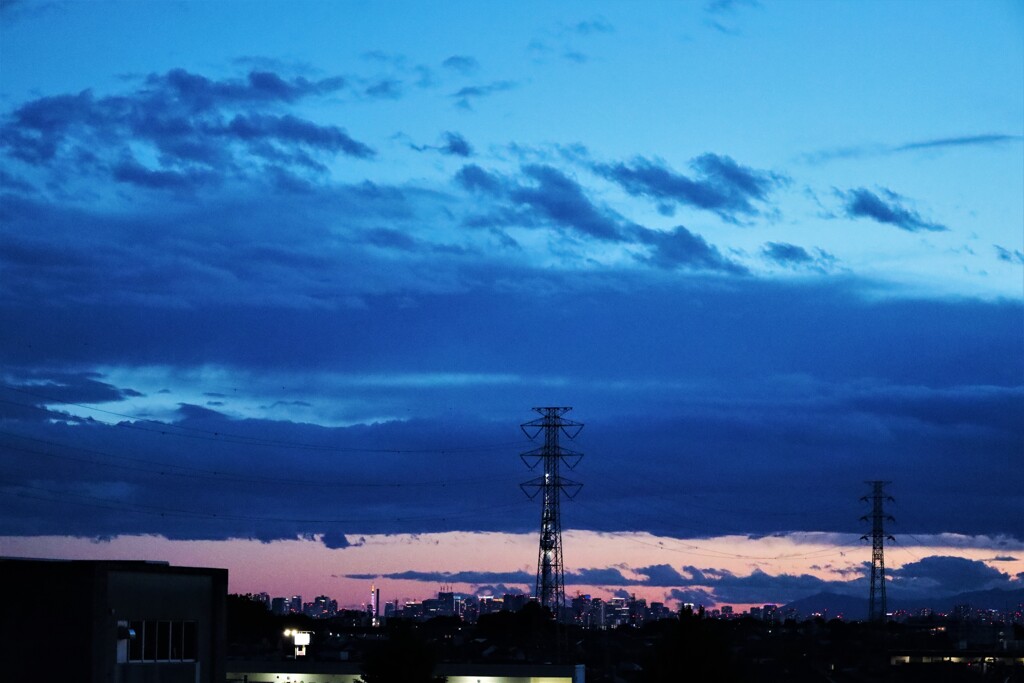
{"points": [[405, 657]]}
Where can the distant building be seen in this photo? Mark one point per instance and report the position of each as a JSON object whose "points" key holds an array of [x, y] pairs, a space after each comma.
{"points": [[129, 622]]}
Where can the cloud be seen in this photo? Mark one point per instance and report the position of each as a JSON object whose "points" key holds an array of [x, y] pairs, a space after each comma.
{"points": [[696, 596], [1016, 256], [726, 6], [43, 388], [784, 253], [862, 203], [707, 361], [592, 26], [681, 248], [465, 97], [948, 575], [559, 199], [387, 89], [337, 541], [606, 576], [463, 64], [793, 256], [475, 178], [661, 575], [456, 145], [990, 139], [717, 10], [550, 197], [498, 589], [721, 185], [452, 144], [470, 577], [178, 130], [933, 144]]}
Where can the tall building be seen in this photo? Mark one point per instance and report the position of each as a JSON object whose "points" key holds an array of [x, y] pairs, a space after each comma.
{"points": [[373, 608]]}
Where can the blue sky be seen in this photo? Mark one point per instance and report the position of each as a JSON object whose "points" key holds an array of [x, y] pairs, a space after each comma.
{"points": [[767, 250]]}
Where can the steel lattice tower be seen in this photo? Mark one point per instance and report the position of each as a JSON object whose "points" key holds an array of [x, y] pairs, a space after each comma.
{"points": [[550, 586], [876, 603]]}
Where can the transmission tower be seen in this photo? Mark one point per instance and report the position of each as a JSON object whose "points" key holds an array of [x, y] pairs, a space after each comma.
{"points": [[550, 486], [876, 603]]}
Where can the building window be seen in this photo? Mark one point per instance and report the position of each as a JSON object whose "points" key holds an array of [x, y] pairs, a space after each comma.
{"points": [[163, 641]]}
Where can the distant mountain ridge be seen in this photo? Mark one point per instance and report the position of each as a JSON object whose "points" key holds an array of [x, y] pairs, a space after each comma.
{"points": [[856, 608]]}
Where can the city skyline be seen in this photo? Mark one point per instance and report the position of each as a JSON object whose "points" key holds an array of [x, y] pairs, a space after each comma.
{"points": [[280, 281]]}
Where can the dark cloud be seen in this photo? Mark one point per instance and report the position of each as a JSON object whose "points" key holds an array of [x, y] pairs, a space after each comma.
{"points": [[718, 10], [784, 253], [290, 129], [391, 239], [456, 145], [782, 588], [470, 577], [198, 131], [961, 141], [722, 186], [725, 6], [1016, 256], [696, 596], [338, 541], [662, 575], [451, 144], [934, 144], [708, 363], [557, 198], [793, 256], [465, 97], [473, 177], [862, 203], [682, 248], [549, 197], [592, 26], [42, 388], [463, 64], [199, 93], [498, 589], [606, 576], [948, 575], [134, 173], [388, 89]]}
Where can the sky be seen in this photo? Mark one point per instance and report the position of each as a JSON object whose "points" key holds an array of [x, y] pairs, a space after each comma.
{"points": [[279, 282]]}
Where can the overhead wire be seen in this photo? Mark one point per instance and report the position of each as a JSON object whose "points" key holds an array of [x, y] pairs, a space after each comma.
{"points": [[123, 506], [191, 431], [170, 469]]}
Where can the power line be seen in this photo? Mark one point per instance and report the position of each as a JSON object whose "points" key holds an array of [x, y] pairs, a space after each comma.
{"points": [[169, 469], [123, 506]]}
